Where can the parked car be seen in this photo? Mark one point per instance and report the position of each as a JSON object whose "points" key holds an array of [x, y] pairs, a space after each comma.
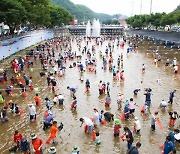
{"points": [[174, 29]]}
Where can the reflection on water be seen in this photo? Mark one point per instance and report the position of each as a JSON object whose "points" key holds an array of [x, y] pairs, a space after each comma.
{"points": [[72, 134]]}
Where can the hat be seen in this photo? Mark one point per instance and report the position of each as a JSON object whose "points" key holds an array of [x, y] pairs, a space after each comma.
{"points": [[52, 150], [117, 121], [33, 136], [75, 149], [136, 118], [30, 104], [120, 94]]}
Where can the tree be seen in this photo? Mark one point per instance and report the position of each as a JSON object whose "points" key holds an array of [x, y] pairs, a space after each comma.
{"points": [[177, 16], [12, 13], [59, 15], [108, 22], [168, 19], [155, 19], [38, 12]]}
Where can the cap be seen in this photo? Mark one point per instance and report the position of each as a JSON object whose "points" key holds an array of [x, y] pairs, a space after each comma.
{"points": [[30, 104], [33, 136], [120, 94], [117, 121], [136, 118], [52, 150], [75, 149]]}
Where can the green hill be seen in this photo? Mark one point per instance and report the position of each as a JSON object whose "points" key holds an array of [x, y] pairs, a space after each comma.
{"points": [[82, 12]]}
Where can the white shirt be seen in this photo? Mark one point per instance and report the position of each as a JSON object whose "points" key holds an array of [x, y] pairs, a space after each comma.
{"points": [[138, 124], [164, 103], [176, 68], [55, 99], [30, 82], [32, 110], [98, 140], [60, 97], [96, 115], [100, 86], [177, 136], [174, 61], [88, 121]]}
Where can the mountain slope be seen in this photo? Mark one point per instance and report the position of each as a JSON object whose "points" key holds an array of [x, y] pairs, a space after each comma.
{"points": [[82, 12]]}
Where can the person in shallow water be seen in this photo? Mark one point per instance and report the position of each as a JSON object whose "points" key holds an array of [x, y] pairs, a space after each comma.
{"points": [[134, 149], [17, 138], [79, 96], [108, 116], [171, 96], [128, 137], [88, 122], [37, 144], [4, 116], [72, 90], [153, 121], [48, 121], [168, 146], [53, 133]]}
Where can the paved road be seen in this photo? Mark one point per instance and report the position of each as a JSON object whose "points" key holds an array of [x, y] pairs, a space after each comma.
{"points": [[163, 36]]}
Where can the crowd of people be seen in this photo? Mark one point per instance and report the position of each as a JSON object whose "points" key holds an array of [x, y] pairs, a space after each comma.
{"points": [[53, 57]]}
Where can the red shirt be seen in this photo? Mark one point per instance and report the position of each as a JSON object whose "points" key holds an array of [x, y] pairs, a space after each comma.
{"points": [[36, 144], [17, 138], [116, 129], [54, 130]]}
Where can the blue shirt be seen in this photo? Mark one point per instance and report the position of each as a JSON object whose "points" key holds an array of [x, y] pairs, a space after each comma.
{"points": [[100, 117], [48, 103], [168, 147], [171, 94], [48, 119], [126, 109], [171, 134], [73, 90], [148, 96], [136, 91], [129, 135]]}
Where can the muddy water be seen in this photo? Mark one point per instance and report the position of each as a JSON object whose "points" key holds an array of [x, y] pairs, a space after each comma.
{"points": [[72, 134]]}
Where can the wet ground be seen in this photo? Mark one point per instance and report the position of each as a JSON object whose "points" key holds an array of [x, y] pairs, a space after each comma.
{"points": [[72, 134]]}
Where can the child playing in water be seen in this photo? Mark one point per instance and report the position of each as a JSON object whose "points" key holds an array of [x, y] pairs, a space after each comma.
{"points": [[122, 76], [173, 117], [98, 140], [108, 101], [74, 103], [101, 116], [163, 104], [120, 101], [117, 127]]}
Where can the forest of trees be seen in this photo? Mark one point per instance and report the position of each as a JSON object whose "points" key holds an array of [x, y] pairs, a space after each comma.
{"points": [[156, 20], [32, 13]]}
